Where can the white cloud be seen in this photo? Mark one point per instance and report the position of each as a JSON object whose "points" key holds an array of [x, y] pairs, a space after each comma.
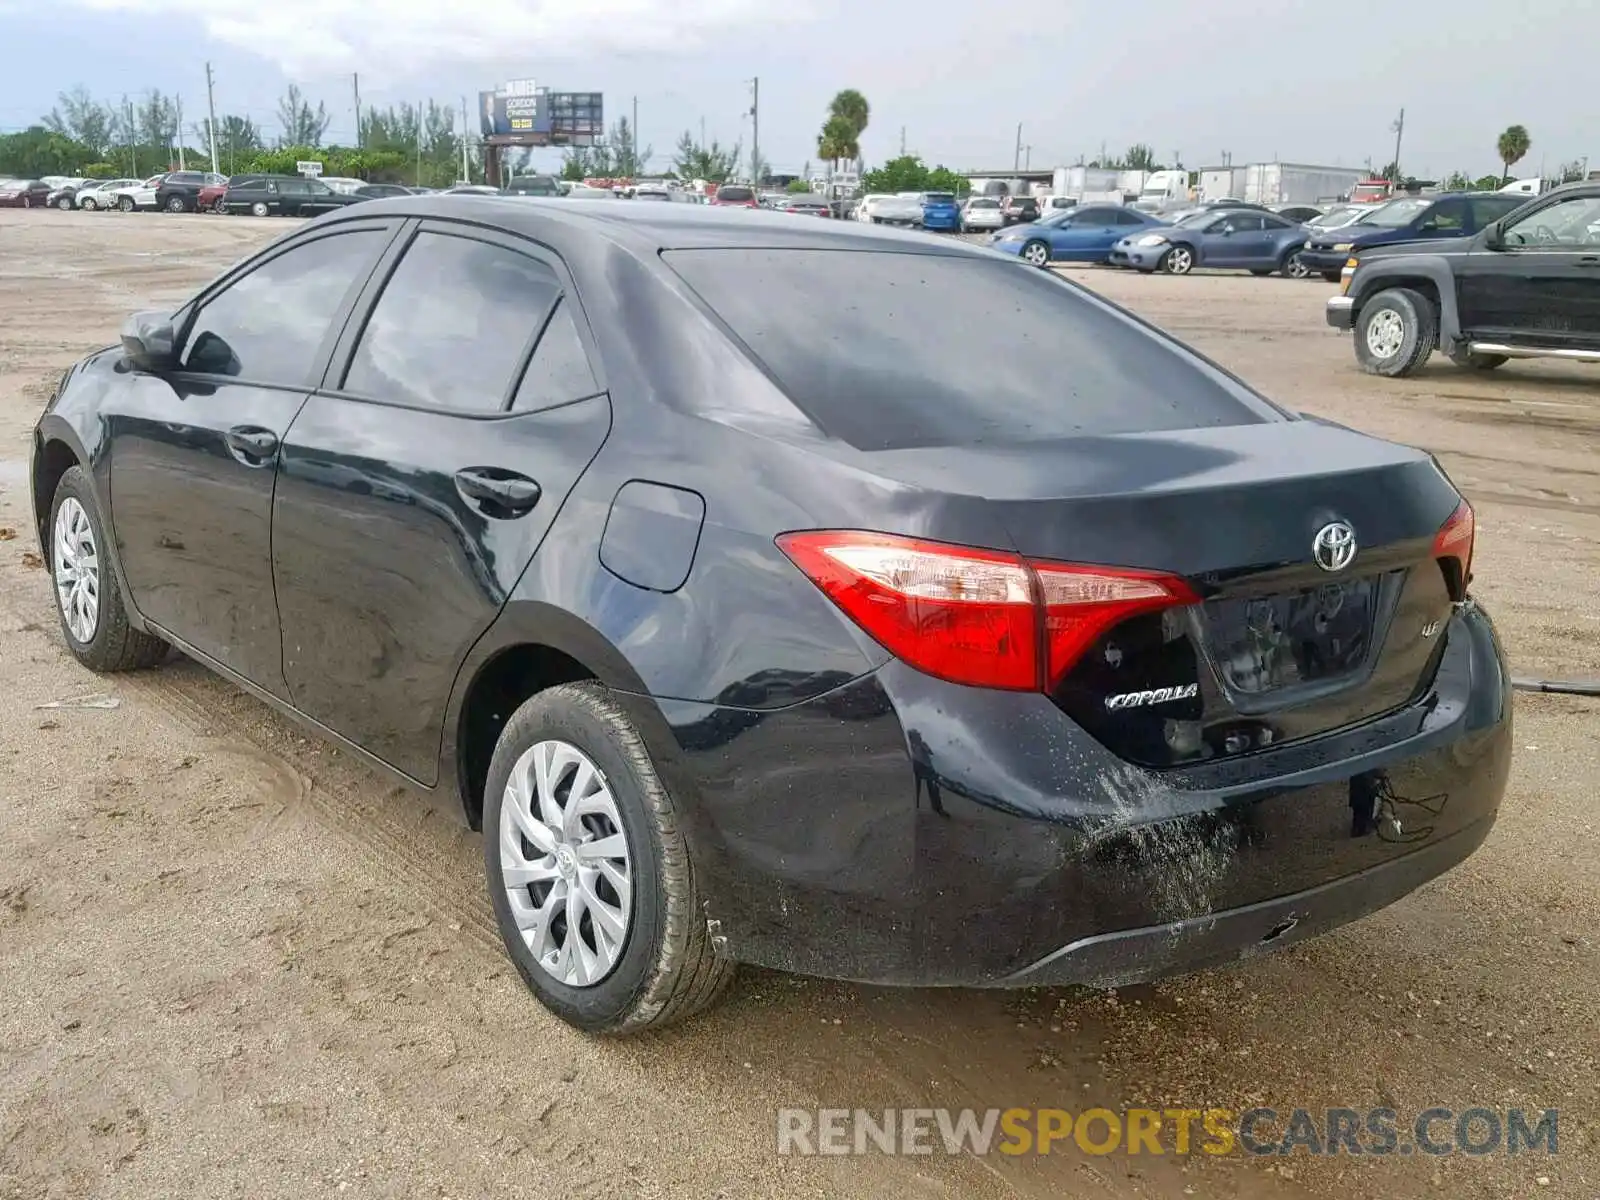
{"points": [[381, 37]]}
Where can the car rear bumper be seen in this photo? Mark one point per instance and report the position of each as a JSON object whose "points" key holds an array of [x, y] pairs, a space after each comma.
{"points": [[943, 224], [860, 836], [1340, 312]]}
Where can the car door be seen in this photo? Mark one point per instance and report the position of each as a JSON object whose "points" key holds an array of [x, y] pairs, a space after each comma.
{"points": [[317, 198], [1088, 233], [416, 485], [1542, 286], [194, 452]]}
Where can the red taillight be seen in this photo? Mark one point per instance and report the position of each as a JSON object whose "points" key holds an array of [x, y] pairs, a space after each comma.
{"points": [[1454, 541], [985, 618]]}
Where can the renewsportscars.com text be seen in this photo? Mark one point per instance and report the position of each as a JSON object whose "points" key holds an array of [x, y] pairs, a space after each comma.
{"points": [[1215, 1131]]}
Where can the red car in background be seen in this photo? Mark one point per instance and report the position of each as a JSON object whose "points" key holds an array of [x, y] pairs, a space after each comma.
{"points": [[735, 195], [209, 198]]}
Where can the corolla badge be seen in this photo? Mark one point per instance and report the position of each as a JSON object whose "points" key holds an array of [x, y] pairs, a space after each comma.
{"points": [[1334, 547], [1185, 691]]}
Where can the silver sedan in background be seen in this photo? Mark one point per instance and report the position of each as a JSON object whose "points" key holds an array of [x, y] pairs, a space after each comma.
{"points": [[982, 212]]}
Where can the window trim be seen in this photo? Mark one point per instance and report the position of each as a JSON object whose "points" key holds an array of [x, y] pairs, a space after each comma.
{"points": [[343, 354], [186, 316]]}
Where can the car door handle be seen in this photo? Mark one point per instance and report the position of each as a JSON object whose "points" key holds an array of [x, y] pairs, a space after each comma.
{"points": [[1589, 260], [497, 493], [251, 444]]}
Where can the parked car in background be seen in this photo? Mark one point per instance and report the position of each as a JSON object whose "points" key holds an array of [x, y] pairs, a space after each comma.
{"points": [[1237, 238], [1185, 676], [808, 206], [342, 183], [136, 196], [1526, 285], [1083, 234], [530, 185], [180, 191], [476, 189], [63, 193], [981, 213], [1442, 217], [735, 195], [384, 191], [24, 193], [1299, 213], [284, 196], [581, 191], [655, 194], [213, 197], [1050, 204], [1019, 210], [1338, 216], [100, 194], [940, 212], [904, 209], [867, 206]]}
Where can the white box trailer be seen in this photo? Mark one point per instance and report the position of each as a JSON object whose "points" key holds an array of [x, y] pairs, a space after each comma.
{"points": [[1296, 183], [1221, 183], [1082, 183]]}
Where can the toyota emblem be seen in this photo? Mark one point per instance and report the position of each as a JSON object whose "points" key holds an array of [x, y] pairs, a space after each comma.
{"points": [[1334, 547]]}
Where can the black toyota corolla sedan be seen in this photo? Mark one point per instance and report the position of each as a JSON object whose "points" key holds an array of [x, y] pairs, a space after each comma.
{"points": [[791, 593]]}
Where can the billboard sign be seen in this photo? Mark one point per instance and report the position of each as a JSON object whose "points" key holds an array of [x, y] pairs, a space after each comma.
{"points": [[522, 113]]}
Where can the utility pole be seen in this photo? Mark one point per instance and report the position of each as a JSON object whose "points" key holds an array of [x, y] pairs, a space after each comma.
{"points": [[902, 141], [419, 143], [636, 163], [211, 120], [1399, 132], [755, 130], [702, 133], [466, 171], [1016, 161], [178, 101], [1027, 158], [355, 82]]}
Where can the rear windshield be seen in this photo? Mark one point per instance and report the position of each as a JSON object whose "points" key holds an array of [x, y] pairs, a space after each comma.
{"points": [[740, 194], [888, 351]]}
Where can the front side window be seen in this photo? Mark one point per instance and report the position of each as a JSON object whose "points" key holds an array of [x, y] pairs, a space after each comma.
{"points": [[452, 325], [267, 326], [1568, 225]]}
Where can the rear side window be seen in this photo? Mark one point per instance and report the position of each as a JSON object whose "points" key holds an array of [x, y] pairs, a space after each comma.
{"points": [[452, 325], [888, 351], [558, 372], [1491, 208]]}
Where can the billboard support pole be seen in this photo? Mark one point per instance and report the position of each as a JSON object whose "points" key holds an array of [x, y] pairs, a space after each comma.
{"points": [[466, 173]]}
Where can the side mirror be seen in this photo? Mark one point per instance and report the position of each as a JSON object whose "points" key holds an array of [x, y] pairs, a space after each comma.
{"points": [[1494, 236], [149, 341]]}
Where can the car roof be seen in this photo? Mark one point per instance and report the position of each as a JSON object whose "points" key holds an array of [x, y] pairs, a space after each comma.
{"points": [[647, 229]]}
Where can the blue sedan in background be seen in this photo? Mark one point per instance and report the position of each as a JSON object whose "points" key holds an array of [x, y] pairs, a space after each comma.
{"points": [[1074, 234], [1245, 239]]}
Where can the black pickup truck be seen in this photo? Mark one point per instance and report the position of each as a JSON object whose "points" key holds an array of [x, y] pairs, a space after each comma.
{"points": [[1526, 286]]}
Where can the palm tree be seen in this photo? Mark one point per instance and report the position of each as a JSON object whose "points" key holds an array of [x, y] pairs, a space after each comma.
{"points": [[1513, 146], [841, 132], [851, 106]]}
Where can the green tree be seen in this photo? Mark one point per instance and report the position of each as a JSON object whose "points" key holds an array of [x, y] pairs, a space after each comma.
{"points": [[82, 118], [847, 117], [1457, 181], [1512, 146], [943, 179], [156, 124], [1571, 172], [39, 150], [1488, 183], [1141, 157], [627, 161], [798, 187], [714, 163], [302, 124], [907, 173]]}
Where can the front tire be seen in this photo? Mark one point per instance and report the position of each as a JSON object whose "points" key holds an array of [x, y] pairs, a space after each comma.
{"points": [[1395, 333], [87, 204], [1036, 253], [94, 621], [589, 873], [219, 206], [1178, 261], [64, 204]]}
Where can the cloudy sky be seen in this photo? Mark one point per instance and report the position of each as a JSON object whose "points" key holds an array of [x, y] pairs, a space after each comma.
{"points": [[1319, 83]]}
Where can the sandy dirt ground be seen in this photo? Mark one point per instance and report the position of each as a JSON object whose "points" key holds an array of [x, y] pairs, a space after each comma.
{"points": [[235, 963]]}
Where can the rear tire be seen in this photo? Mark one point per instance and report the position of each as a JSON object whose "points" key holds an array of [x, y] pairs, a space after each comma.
{"points": [[662, 967], [175, 204], [260, 209], [1036, 253], [125, 203], [102, 640], [219, 206], [64, 204], [1396, 332], [1478, 362]]}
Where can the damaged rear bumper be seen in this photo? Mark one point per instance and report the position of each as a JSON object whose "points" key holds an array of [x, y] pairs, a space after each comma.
{"points": [[903, 830]]}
